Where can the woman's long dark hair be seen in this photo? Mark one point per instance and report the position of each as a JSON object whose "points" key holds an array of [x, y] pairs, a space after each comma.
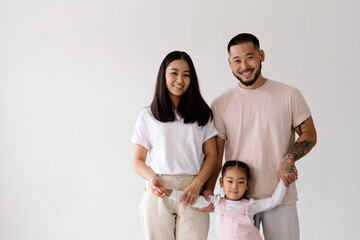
{"points": [[192, 107]]}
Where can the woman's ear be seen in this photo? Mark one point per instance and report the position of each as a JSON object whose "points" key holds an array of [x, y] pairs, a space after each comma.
{"points": [[221, 181]]}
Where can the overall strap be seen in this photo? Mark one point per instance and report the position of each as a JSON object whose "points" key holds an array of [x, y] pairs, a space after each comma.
{"points": [[245, 206], [222, 206]]}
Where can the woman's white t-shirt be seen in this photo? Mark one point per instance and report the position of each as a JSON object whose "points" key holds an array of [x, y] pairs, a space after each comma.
{"points": [[173, 147]]}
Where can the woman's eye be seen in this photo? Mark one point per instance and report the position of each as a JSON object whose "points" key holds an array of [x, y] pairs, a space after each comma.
{"points": [[186, 75], [174, 73]]}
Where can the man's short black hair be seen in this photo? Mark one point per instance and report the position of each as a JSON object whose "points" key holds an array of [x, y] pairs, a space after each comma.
{"points": [[244, 38]]}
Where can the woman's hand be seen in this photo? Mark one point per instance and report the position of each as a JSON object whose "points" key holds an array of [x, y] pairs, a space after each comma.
{"points": [[191, 192], [155, 185]]}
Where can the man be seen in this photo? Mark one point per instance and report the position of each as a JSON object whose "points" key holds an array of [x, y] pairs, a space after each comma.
{"points": [[257, 120]]}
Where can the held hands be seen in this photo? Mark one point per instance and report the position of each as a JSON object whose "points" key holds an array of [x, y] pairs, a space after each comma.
{"points": [[287, 171], [210, 207], [156, 185], [190, 193], [165, 192]]}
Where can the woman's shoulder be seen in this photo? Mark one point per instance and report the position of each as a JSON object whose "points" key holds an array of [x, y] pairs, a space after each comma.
{"points": [[146, 111]]}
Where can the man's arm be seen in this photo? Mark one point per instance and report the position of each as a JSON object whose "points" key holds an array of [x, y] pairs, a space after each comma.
{"points": [[305, 142]]}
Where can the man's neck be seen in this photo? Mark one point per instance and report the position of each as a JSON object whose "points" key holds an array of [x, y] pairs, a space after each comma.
{"points": [[258, 83]]}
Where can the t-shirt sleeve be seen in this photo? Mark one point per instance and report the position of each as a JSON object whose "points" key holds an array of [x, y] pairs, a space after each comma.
{"points": [[140, 134], [300, 108], [271, 202], [218, 120], [200, 201], [210, 131]]}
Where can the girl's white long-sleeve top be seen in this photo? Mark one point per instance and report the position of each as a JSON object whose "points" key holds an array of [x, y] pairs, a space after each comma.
{"points": [[255, 206]]}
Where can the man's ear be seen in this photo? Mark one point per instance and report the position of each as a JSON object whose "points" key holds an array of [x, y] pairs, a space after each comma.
{"points": [[248, 184], [262, 55]]}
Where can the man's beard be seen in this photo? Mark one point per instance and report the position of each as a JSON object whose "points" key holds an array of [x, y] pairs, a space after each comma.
{"points": [[249, 83]]}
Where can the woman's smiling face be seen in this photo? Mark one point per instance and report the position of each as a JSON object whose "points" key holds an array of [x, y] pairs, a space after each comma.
{"points": [[177, 75]]}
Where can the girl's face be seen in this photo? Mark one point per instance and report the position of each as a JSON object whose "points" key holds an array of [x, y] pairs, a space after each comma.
{"points": [[177, 75], [234, 183]]}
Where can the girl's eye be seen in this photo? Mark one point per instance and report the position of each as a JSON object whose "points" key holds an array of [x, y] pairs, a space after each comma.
{"points": [[241, 182], [229, 181]]}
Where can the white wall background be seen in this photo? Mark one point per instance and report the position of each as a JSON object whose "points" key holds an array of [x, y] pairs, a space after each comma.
{"points": [[75, 74]]}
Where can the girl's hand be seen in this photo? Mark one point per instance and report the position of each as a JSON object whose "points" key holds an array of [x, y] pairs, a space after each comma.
{"points": [[211, 206], [190, 193], [166, 192], [155, 185]]}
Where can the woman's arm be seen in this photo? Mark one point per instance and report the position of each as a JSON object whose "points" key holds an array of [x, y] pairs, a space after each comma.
{"points": [[144, 171], [191, 192]]}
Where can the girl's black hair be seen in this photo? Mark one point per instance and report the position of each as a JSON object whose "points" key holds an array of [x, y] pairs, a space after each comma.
{"points": [[192, 107], [239, 164]]}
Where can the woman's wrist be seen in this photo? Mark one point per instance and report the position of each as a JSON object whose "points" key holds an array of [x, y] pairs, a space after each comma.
{"points": [[152, 175], [198, 183]]}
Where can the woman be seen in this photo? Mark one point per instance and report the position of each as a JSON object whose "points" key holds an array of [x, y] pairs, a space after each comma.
{"points": [[178, 135]]}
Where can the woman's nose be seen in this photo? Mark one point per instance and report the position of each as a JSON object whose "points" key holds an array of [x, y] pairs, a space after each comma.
{"points": [[180, 79]]}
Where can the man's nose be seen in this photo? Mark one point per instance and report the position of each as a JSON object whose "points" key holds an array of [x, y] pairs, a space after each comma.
{"points": [[244, 65]]}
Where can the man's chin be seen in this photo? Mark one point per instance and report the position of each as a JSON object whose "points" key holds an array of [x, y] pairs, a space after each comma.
{"points": [[247, 83]]}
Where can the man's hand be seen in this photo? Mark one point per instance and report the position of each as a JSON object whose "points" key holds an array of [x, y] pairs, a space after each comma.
{"points": [[287, 170]]}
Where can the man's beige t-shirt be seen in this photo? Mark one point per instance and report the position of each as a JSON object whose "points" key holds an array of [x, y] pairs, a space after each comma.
{"points": [[258, 129]]}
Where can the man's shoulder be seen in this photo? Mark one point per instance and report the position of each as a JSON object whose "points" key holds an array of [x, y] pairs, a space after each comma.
{"points": [[224, 96], [281, 86]]}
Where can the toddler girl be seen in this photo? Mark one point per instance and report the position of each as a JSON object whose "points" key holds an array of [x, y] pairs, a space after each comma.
{"points": [[234, 213]]}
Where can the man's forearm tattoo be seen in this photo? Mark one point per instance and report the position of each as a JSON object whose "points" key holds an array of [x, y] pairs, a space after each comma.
{"points": [[299, 149], [286, 167], [295, 153]]}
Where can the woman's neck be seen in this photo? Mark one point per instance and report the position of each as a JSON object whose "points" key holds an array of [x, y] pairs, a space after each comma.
{"points": [[175, 101]]}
